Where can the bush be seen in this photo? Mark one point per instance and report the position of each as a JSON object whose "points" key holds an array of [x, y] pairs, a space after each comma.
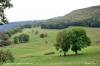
{"points": [[10, 56], [42, 35], [14, 31], [6, 56], [16, 40], [5, 40], [23, 38]]}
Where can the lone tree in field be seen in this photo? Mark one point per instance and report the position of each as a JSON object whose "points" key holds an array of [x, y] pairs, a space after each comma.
{"points": [[79, 39], [3, 5], [74, 38]]}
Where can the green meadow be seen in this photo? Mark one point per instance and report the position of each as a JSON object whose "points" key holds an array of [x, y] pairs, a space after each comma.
{"points": [[33, 52]]}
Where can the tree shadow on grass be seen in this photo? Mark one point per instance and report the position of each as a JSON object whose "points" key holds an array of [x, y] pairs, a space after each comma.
{"points": [[72, 55]]}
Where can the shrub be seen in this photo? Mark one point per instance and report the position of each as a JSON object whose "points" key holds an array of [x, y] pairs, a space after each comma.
{"points": [[5, 40], [23, 38], [10, 56], [6, 56], [43, 35], [16, 40]]}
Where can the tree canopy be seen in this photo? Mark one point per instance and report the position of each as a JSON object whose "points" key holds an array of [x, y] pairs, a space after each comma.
{"points": [[74, 38], [3, 5]]}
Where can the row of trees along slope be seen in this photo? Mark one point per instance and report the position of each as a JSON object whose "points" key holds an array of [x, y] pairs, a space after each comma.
{"points": [[82, 17], [74, 38]]}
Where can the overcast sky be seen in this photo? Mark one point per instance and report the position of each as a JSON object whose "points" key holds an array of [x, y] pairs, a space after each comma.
{"points": [[45, 9]]}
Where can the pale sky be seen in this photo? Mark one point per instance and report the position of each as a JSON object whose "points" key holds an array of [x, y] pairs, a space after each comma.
{"points": [[45, 9]]}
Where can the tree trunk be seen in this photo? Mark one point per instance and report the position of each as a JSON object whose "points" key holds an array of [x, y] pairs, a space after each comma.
{"points": [[76, 52], [64, 53]]}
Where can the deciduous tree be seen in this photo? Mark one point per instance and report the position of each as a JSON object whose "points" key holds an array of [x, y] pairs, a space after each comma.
{"points": [[4, 4]]}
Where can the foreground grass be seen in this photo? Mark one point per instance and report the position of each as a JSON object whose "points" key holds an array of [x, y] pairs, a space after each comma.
{"points": [[32, 53]]}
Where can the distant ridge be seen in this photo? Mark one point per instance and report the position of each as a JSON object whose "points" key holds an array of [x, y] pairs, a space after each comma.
{"points": [[89, 16], [12, 25]]}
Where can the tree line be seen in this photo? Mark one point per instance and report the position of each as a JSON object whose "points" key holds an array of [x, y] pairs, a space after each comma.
{"points": [[90, 22]]}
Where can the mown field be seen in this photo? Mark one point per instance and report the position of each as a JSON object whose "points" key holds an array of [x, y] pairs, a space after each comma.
{"points": [[32, 53]]}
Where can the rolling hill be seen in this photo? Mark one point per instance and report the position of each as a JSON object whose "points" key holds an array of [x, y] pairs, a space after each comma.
{"points": [[80, 14], [82, 17]]}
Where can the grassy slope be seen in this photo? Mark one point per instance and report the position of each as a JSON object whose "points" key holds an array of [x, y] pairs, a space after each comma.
{"points": [[33, 52]]}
